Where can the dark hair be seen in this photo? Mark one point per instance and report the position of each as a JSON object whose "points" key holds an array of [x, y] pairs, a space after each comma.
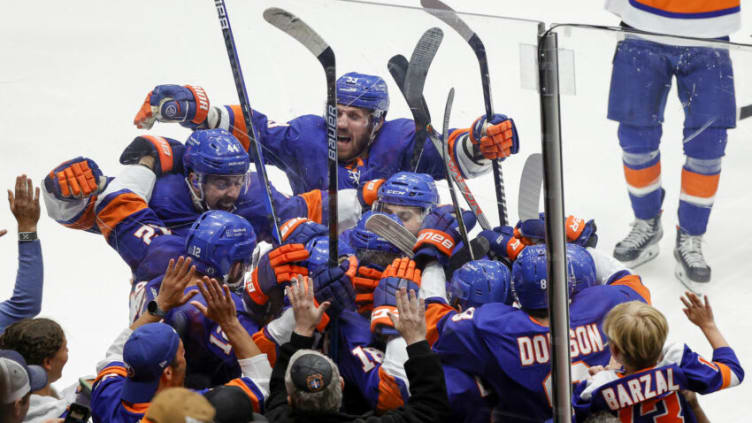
{"points": [[35, 339]]}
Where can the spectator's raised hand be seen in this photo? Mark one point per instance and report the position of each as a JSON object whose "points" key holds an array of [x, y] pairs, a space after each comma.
{"points": [[307, 313], [699, 313], [410, 320], [177, 277], [219, 304], [25, 204]]}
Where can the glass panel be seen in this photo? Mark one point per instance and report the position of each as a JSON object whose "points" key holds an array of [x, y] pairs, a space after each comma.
{"points": [[680, 86]]}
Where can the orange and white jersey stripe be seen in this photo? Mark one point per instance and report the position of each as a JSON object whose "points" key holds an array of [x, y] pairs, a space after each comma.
{"points": [[689, 18]]}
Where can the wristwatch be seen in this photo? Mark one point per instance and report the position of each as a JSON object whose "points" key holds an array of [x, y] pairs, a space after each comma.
{"points": [[154, 310]]}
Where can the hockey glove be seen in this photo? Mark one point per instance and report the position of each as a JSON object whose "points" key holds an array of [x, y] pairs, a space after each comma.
{"points": [[369, 193], [502, 242], [300, 230], [401, 273], [334, 284], [365, 282], [188, 105], [167, 153], [533, 231], [497, 138], [439, 234], [75, 179], [278, 266]]}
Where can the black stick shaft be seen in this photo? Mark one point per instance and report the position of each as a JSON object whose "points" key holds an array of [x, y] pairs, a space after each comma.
{"points": [[245, 105]]}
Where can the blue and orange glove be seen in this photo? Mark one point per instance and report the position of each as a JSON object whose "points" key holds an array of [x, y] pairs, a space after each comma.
{"points": [[368, 193], [334, 284], [496, 138], [167, 153], [533, 231], [75, 179], [188, 105], [277, 267], [365, 282], [300, 230], [503, 243], [439, 234], [401, 273]]}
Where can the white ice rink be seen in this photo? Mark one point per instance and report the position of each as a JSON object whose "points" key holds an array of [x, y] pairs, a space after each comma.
{"points": [[74, 73]]}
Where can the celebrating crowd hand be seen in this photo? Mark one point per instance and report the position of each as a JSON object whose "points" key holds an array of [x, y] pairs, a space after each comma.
{"points": [[701, 314], [307, 314], [24, 205], [410, 319], [219, 304], [177, 277]]}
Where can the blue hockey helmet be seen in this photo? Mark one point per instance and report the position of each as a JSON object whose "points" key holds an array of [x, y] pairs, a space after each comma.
{"points": [[530, 275], [359, 238], [219, 239], [479, 282], [409, 189], [582, 266], [215, 152], [366, 91]]}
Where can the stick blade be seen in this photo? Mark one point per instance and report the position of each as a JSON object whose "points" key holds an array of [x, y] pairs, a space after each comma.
{"points": [[296, 28], [420, 62], [393, 232], [531, 184]]}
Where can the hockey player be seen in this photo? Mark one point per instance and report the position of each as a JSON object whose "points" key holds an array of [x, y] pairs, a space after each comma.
{"points": [[212, 174], [640, 82], [369, 146], [649, 387], [509, 348], [407, 195]]}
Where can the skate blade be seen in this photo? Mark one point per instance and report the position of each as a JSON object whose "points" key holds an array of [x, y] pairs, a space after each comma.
{"points": [[648, 254], [699, 288]]}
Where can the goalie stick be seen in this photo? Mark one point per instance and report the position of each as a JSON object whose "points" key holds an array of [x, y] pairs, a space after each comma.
{"points": [[296, 28], [449, 16], [245, 105], [399, 67]]}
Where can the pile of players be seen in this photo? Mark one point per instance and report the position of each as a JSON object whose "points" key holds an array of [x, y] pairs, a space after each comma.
{"points": [[189, 219]]}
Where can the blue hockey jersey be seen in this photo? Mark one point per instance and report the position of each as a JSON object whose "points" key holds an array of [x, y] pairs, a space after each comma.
{"points": [[510, 349], [652, 394], [300, 149]]}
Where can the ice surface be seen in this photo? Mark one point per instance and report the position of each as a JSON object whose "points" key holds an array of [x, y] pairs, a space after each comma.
{"points": [[73, 75]]}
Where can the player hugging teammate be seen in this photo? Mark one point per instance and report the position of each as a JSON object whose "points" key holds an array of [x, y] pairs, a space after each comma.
{"points": [[187, 218]]}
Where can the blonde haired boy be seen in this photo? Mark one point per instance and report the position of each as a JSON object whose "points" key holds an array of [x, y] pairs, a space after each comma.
{"points": [[653, 374]]}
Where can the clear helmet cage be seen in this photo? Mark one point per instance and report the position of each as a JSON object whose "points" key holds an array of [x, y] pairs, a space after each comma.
{"points": [[378, 206], [197, 187]]}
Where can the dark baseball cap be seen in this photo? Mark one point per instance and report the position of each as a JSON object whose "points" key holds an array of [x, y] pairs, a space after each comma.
{"points": [[232, 405], [311, 373], [20, 378], [148, 351]]}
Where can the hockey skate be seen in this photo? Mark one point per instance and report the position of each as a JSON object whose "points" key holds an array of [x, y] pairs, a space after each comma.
{"points": [[691, 268], [641, 245]]}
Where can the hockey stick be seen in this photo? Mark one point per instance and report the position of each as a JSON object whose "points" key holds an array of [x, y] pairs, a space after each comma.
{"points": [[245, 105], [396, 69], [745, 112], [393, 232], [414, 81], [531, 183], [452, 193], [303, 33], [449, 16]]}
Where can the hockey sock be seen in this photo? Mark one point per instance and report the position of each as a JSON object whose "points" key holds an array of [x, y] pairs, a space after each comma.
{"points": [[699, 183], [643, 174]]}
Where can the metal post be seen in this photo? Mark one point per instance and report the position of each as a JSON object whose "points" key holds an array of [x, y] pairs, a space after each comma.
{"points": [[558, 293]]}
